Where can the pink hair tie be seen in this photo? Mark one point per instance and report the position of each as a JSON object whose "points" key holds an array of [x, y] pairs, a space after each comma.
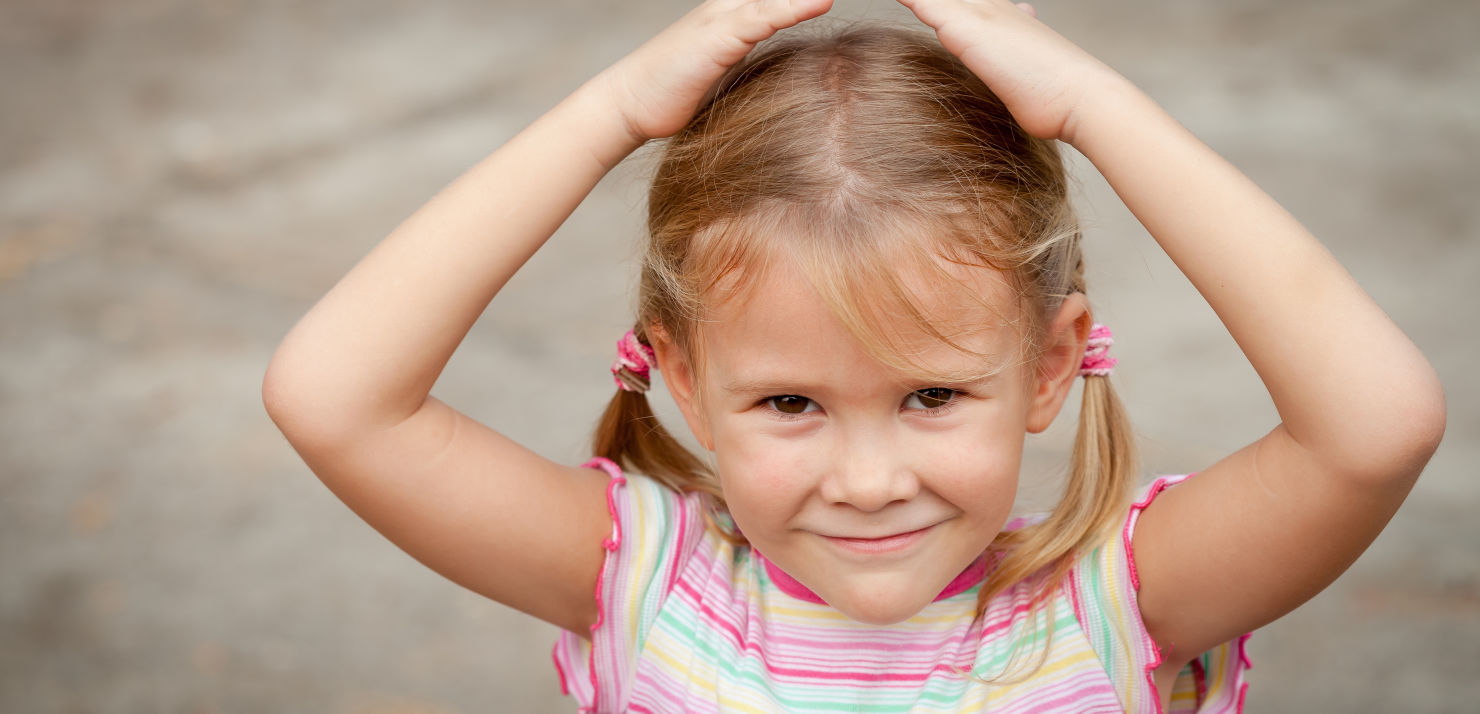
{"points": [[1096, 362], [635, 361]]}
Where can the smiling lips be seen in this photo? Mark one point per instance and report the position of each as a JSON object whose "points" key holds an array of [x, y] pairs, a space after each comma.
{"points": [[887, 544]]}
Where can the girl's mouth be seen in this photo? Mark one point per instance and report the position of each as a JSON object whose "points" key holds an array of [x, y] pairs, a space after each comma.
{"points": [[887, 544]]}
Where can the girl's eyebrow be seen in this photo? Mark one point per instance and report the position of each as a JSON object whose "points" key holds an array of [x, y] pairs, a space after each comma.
{"points": [[770, 386], [767, 387]]}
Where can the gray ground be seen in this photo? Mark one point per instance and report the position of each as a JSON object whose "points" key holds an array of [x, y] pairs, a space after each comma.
{"points": [[179, 181]]}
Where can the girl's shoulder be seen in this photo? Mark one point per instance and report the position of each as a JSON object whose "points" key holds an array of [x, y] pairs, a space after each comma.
{"points": [[1103, 587], [652, 519], [657, 532]]}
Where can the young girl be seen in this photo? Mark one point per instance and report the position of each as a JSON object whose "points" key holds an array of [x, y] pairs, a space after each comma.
{"points": [[863, 288]]}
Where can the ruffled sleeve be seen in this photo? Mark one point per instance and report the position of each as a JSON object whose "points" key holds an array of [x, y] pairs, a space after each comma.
{"points": [[1104, 585], [654, 529]]}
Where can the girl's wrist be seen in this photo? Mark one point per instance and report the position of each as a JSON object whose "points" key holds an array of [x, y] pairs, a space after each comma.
{"points": [[607, 133], [1105, 111]]}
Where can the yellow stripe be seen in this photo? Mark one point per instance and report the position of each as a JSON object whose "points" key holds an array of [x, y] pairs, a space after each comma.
{"points": [[806, 613], [639, 552], [1085, 654], [1122, 619], [1005, 694], [690, 671], [731, 705], [1219, 664]]}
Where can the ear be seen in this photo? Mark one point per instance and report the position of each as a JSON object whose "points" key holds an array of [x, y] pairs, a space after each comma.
{"points": [[1058, 366], [678, 376]]}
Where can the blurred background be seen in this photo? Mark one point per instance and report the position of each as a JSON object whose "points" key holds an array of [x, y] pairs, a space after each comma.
{"points": [[180, 181]]}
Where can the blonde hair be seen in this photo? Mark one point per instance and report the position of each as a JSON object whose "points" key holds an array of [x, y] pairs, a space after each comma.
{"points": [[851, 154]]}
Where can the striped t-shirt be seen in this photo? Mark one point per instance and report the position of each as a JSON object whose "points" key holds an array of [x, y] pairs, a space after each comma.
{"points": [[692, 623]]}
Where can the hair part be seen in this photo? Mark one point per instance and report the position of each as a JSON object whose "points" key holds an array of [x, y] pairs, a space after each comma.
{"points": [[850, 155]]}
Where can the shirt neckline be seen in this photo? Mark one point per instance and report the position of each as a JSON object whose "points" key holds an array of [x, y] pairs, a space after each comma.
{"points": [[967, 579]]}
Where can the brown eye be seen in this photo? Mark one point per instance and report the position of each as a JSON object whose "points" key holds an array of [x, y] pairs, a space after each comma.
{"points": [[790, 404], [932, 398]]}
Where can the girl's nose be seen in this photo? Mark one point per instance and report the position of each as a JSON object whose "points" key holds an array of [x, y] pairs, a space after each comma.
{"points": [[869, 474]]}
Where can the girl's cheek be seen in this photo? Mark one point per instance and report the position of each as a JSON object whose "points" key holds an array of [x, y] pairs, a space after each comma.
{"points": [[777, 469], [979, 464], [754, 463]]}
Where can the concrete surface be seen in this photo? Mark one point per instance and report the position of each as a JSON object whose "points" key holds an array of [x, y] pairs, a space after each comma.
{"points": [[179, 181]]}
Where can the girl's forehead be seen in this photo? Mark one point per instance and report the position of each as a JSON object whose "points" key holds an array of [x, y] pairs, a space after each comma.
{"points": [[947, 293], [950, 320]]}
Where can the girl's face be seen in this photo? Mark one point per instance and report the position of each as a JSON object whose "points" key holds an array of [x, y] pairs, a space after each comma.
{"points": [[871, 488]]}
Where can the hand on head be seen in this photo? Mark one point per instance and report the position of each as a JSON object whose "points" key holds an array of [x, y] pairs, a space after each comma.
{"points": [[1042, 77], [659, 85]]}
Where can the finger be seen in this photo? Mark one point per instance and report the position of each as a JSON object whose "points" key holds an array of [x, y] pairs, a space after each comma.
{"points": [[1025, 7], [764, 18]]}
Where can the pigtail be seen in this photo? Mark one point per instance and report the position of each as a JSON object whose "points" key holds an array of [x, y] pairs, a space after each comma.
{"points": [[1103, 467], [1102, 470], [630, 434]]}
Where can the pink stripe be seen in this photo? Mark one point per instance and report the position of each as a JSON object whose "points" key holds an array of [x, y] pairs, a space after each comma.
{"points": [[863, 664], [726, 626], [674, 569], [559, 670], [1130, 522], [860, 677], [785, 583], [664, 691], [1130, 557], [1066, 701], [860, 661], [965, 580], [611, 543], [1073, 589], [1243, 658], [1070, 689], [1005, 621], [1151, 679]]}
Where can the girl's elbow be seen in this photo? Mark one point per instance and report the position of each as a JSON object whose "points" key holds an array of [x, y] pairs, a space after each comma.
{"points": [[288, 400], [1385, 443], [1413, 430], [277, 390], [278, 401], [1430, 418], [1427, 415]]}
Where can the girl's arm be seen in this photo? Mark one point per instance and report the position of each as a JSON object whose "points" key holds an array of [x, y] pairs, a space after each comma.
{"points": [[1268, 527], [349, 386]]}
